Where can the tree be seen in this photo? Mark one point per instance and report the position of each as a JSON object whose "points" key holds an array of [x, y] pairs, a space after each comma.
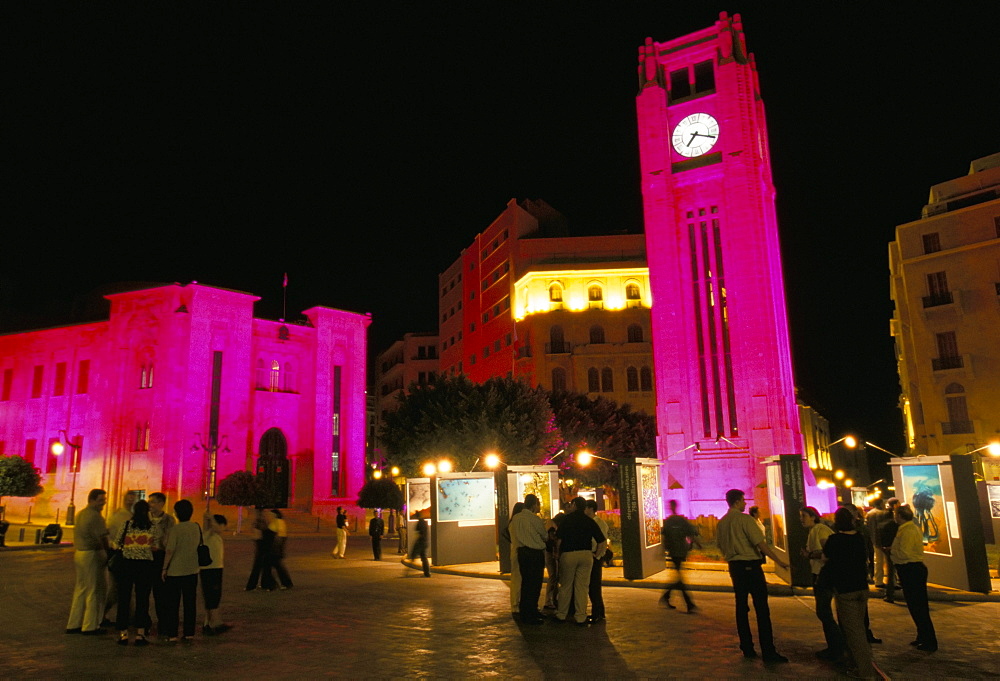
{"points": [[381, 493], [239, 489], [461, 420], [603, 427], [18, 478]]}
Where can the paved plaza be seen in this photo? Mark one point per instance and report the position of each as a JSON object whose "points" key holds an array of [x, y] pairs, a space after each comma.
{"points": [[357, 618]]}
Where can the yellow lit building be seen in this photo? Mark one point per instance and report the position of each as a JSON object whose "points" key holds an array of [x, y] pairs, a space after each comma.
{"points": [[945, 283], [527, 300]]}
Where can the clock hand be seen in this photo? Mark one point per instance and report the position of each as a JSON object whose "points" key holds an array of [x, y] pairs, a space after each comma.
{"points": [[693, 135]]}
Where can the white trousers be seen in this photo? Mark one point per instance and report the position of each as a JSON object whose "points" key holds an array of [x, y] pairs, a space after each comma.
{"points": [[574, 582], [341, 550], [515, 581], [90, 591]]}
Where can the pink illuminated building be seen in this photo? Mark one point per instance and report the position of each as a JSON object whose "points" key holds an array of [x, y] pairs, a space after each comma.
{"points": [[724, 389], [182, 386]]}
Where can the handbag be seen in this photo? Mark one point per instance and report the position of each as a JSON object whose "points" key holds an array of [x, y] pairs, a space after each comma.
{"points": [[204, 554]]}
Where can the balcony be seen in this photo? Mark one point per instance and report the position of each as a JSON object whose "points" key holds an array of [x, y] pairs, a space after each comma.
{"points": [[524, 351], [957, 427], [562, 348], [944, 363], [938, 299]]}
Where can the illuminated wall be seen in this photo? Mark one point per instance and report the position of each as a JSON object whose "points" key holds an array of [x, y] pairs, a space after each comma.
{"points": [[724, 388], [175, 370]]}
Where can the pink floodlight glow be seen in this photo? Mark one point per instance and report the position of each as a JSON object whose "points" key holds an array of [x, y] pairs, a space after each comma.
{"points": [[724, 386]]}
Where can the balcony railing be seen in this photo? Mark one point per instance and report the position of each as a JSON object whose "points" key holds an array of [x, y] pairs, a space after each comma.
{"points": [[957, 427], [942, 363], [524, 351], [943, 298], [558, 348]]}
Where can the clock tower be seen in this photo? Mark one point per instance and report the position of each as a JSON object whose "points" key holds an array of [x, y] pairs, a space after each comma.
{"points": [[724, 389]]}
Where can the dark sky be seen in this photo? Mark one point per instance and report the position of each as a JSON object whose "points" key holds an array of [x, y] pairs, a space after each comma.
{"points": [[361, 146]]}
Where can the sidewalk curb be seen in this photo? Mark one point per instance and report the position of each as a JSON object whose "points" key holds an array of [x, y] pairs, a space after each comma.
{"points": [[783, 590]]}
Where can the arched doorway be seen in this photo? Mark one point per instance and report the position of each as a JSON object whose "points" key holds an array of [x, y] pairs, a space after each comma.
{"points": [[272, 468]]}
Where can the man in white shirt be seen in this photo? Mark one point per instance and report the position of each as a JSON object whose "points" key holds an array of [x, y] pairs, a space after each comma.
{"points": [[530, 532]]}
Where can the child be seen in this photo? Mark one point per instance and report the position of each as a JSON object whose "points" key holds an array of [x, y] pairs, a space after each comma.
{"points": [[211, 575]]}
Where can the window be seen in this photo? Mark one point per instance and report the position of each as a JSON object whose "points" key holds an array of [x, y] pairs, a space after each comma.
{"points": [[486, 316], [704, 77], [509, 339], [262, 374], [593, 380], [632, 292], [472, 295], [596, 334], [607, 380], [486, 352], [36, 381], [141, 442], [83, 377], [274, 376], [559, 379], [51, 459], [146, 375], [595, 293], [497, 344], [60, 385], [8, 381], [472, 359], [634, 333], [29, 450], [680, 86], [646, 379], [289, 377], [472, 327], [557, 342], [932, 242], [948, 357], [555, 293], [958, 411], [632, 379], [937, 290]]}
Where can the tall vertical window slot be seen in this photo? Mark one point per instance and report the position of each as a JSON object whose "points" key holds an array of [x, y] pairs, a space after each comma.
{"points": [[36, 381], [83, 377], [59, 388], [704, 77], [335, 472], [680, 84], [8, 381]]}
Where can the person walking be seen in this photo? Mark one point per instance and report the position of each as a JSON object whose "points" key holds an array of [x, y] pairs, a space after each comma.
{"points": [[90, 558], [597, 612], [211, 574], [260, 573], [528, 530], [678, 537], [279, 527], [743, 545], [515, 568], [340, 550], [846, 573], [818, 533], [376, 528], [907, 552], [180, 574], [420, 546], [162, 523], [135, 540], [575, 552]]}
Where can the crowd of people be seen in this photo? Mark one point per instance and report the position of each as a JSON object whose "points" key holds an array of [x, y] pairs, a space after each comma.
{"points": [[845, 559], [142, 553]]}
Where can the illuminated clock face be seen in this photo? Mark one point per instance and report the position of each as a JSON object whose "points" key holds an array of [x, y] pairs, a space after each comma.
{"points": [[695, 135]]}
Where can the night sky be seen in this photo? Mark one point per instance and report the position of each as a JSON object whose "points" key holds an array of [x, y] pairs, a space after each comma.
{"points": [[361, 146]]}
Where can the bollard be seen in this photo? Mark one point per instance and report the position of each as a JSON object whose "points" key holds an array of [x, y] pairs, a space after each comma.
{"points": [[20, 535], [317, 523], [38, 536]]}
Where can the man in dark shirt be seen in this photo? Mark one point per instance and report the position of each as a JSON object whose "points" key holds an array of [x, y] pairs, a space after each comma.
{"points": [[376, 528], [678, 536], [575, 553]]}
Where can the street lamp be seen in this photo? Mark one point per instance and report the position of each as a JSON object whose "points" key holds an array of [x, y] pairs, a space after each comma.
{"points": [[849, 441], [429, 469], [585, 458], [212, 452], [377, 474], [492, 460], [58, 448]]}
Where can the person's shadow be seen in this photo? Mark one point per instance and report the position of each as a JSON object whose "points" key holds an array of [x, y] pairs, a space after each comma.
{"points": [[567, 650]]}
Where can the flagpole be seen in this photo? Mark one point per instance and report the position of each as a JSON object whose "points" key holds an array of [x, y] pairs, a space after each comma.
{"points": [[284, 298]]}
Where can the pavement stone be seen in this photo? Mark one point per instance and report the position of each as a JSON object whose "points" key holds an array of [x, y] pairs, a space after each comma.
{"points": [[358, 618]]}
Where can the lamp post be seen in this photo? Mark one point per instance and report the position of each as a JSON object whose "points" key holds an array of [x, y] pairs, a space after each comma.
{"points": [[58, 448], [212, 451]]}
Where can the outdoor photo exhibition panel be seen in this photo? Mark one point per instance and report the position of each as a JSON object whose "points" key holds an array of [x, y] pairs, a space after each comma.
{"points": [[418, 505], [941, 490], [463, 507], [641, 518]]}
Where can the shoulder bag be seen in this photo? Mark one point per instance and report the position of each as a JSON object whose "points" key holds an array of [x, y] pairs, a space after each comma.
{"points": [[204, 555]]}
